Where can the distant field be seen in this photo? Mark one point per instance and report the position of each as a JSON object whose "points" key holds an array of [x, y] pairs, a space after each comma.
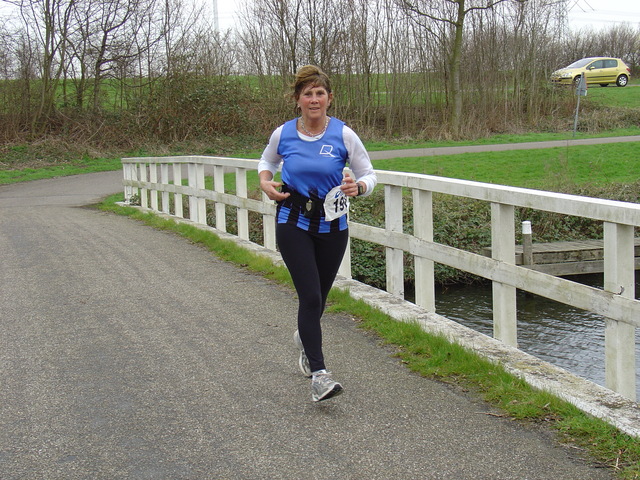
{"points": [[627, 97], [540, 169]]}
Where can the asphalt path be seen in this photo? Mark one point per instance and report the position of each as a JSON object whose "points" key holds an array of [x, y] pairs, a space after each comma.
{"points": [[130, 353], [426, 152]]}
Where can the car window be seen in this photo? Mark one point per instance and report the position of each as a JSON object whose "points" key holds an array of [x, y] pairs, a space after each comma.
{"points": [[610, 63], [579, 63], [596, 64]]}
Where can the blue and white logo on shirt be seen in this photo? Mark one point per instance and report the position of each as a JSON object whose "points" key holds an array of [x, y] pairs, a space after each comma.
{"points": [[326, 150]]}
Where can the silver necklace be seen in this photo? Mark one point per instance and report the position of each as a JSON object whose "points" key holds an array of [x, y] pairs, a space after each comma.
{"points": [[304, 129]]}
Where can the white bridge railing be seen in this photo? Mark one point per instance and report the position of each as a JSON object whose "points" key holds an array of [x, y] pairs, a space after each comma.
{"points": [[153, 180]]}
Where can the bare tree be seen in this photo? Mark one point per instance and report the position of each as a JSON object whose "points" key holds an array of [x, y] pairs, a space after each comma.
{"points": [[118, 23], [278, 36], [46, 24], [396, 65], [453, 14], [618, 41]]}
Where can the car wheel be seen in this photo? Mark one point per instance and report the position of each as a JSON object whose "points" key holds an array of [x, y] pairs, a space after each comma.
{"points": [[622, 81], [576, 80]]}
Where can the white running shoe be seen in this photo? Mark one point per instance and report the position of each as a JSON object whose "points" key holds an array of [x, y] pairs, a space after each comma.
{"points": [[323, 387], [303, 361]]}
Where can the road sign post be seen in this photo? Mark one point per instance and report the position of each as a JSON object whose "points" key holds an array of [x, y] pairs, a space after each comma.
{"points": [[581, 91]]}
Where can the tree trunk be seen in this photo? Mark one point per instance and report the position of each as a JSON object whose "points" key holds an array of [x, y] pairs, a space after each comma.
{"points": [[456, 54]]}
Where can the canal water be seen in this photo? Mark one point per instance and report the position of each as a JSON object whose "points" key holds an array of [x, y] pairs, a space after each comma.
{"points": [[570, 338]]}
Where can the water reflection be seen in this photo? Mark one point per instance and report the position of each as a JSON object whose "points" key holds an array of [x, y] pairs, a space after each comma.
{"points": [[570, 338]]}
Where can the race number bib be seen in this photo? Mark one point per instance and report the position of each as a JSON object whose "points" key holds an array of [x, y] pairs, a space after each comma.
{"points": [[336, 204]]}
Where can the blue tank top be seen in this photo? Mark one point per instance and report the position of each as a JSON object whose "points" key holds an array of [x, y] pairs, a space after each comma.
{"points": [[312, 168]]}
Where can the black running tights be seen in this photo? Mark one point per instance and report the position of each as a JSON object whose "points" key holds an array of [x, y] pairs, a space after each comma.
{"points": [[313, 260]]}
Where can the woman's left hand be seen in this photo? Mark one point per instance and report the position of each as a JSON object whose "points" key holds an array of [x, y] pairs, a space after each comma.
{"points": [[349, 186]]}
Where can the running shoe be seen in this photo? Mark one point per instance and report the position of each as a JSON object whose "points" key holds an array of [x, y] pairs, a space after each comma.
{"points": [[303, 361], [323, 387]]}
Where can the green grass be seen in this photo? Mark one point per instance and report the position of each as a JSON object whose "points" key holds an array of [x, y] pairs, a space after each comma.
{"points": [[13, 171], [626, 97], [436, 358], [525, 168], [501, 139], [542, 169], [538, 168], [78, 167]]}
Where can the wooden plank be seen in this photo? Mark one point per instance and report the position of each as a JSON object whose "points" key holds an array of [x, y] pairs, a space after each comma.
{"points": [[568, 258]]}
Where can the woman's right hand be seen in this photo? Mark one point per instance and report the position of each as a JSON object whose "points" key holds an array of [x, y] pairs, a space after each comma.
{"points": [[270, 188]]}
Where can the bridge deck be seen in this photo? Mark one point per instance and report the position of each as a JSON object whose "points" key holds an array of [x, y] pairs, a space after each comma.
{"points": [[131, 353], [568, 258]]}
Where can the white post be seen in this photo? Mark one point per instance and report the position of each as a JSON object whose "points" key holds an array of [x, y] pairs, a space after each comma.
{"points": [[345, 266], [177, 198], [193, 201], [127, 188], [202, 203], [393, 223], [153, 178], [164, 179], [218, 186], [503, 248], [133, 175], [197, 205], [243, 213], [424, 268], [619, 339], [527, 243], [144, 197], [269, 227]]}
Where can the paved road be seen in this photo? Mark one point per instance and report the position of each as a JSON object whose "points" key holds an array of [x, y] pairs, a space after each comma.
{"points": [[129, 353], [426, 152]]}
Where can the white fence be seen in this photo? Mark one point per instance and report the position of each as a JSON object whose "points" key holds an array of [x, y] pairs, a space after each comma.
{"points": [[154, 179]]}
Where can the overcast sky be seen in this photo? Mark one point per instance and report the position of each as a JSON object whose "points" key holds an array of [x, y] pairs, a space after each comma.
{"points": [[597, 13], [603, 13], [582, 13]]}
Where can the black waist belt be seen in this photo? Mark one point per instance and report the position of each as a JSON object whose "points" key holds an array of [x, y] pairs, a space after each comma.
{"points": [[309, 206]]}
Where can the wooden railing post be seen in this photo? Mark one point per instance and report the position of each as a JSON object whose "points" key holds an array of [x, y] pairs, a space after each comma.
{"points": [[503, 248], [133, 175], [218, 186], [201, 202], [153, 178], [177, 198], [393, 223], [345, 266], [164, 179], [269, 227], [193, 201], [197, 205], [144, 196], [242, 213], [126, 173], [527, 243], [424, 268], [619, 339]]}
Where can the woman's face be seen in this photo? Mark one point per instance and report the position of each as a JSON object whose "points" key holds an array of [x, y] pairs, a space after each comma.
{"points": [[314, 102]]}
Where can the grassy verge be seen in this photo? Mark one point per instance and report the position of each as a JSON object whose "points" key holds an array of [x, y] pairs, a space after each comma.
{"points": [[548, 168], [24, 163], [77, 167], [502, 139], [628, 97], [436, 358]]}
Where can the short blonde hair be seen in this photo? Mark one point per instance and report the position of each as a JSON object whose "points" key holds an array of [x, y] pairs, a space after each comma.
{"points": [[310, 75]]}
